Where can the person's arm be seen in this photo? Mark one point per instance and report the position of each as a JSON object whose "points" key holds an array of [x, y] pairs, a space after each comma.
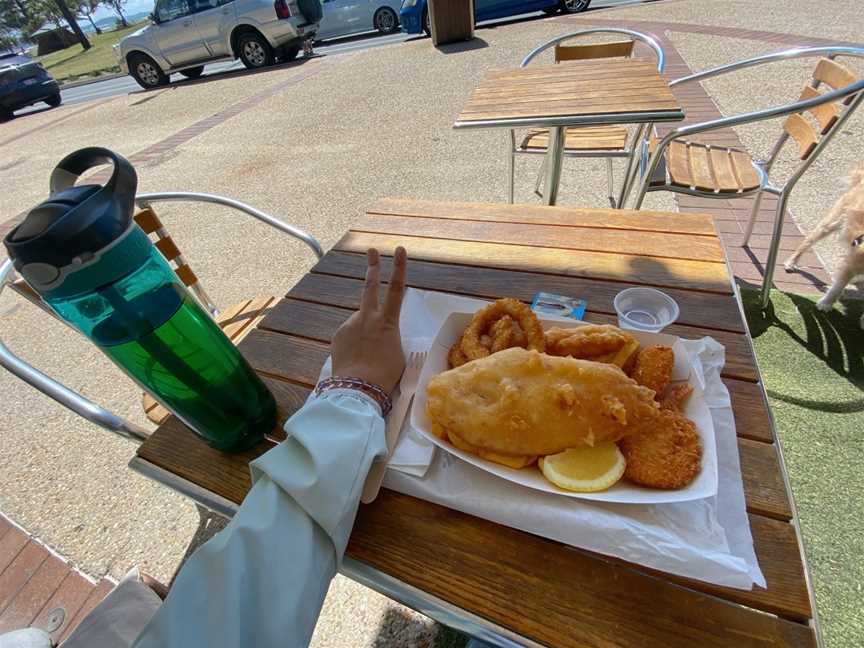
{"points": [[261, 582]]}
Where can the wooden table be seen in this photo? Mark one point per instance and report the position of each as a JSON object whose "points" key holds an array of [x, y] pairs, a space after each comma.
{"points": [[576, 93], [490, 580]]}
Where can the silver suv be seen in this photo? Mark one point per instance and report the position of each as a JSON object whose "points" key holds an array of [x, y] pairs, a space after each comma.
{"points": [[186, 34]]}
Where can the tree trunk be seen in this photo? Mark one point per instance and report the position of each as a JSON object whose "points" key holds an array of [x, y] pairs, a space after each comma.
{"points": [[61, 4], [120, 13], [95, 28]]}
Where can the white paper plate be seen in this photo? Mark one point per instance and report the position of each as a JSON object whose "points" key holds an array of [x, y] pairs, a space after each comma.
{"points": [[705, 484]]}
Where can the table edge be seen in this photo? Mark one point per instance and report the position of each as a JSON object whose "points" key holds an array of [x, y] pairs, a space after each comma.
{"points": [[573, 120]]}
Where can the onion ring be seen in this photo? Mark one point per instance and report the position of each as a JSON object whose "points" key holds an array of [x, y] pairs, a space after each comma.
{"points": [[522, 314]]}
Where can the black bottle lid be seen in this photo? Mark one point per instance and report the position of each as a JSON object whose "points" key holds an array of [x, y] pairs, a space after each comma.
{"points": [[77, 223]]}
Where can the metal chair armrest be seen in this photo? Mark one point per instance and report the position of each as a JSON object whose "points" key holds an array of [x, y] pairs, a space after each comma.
{"points": [[272, 221], [800, 52], [61, 393]]}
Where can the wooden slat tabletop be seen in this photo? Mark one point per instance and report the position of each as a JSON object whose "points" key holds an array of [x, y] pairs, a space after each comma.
{"points": [[542, 590], [576, 89]]}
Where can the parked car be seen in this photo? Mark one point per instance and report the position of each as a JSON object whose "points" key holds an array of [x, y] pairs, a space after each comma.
{"points": [[414, 14], [344, 17], [24, 84], [186, 34]]}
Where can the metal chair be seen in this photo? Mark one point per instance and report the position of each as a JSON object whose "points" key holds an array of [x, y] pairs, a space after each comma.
{"points": [[607, 141], [721, 172], [235, 321]]}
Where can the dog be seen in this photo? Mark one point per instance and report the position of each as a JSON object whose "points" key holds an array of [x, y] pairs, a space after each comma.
{"points": [[847, 213]]}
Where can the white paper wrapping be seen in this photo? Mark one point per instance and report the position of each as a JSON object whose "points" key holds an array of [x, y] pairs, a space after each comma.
{"points": [[707, 539]]}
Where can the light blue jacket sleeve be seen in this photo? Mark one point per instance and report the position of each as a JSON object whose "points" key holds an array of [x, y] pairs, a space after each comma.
{"points": [[261, 582]]}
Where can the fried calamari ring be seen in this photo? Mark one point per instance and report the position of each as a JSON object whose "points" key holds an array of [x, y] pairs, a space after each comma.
{"points": [[653, 368], [667, 453], [455, 357], [502, 335], [485, 317], [586, 342]]}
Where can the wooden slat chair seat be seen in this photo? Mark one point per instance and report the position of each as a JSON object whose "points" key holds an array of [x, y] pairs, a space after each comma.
{"points": [[587, 138], [711, 168]]}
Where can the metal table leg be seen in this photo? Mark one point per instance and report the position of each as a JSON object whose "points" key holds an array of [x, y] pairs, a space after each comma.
{"points": [[554, 158]]}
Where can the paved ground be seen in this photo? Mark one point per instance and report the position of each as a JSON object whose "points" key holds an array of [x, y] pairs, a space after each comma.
{"points": [[313, 142]]}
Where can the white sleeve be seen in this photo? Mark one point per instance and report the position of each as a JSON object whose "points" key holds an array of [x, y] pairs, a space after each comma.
{"points": [[261, 582]]}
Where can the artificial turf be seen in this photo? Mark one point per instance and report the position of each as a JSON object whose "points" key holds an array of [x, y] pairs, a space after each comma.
{"points": [[812, 365]]}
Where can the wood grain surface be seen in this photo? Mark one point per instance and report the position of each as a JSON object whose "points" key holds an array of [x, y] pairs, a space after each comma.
{"points": [[543, 590], [576, 89]]}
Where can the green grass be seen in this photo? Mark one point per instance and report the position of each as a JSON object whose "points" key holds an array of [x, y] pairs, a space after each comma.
{"points": [[74, 63], [812, 364]]}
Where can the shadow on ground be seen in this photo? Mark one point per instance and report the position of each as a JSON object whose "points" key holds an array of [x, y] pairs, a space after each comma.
{"points": [[465, 46], [834, 337]]}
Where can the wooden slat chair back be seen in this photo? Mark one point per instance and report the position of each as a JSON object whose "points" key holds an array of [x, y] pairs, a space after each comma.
{"points": [[149, 222], [805, 132], [620, 49], [674, 162]]}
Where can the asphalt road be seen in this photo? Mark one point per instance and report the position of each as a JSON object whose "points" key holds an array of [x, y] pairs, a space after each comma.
{"points": [[125, 85]]}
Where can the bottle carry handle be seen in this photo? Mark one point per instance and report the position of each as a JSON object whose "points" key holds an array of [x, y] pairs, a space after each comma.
{"points": [[122, 183]]}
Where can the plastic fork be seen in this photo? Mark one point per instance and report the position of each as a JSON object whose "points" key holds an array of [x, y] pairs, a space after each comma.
{"points": [[407, 387]]}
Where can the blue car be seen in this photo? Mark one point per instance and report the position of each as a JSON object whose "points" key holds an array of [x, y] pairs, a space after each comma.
{"points": [[23, 83], [414, 15]]}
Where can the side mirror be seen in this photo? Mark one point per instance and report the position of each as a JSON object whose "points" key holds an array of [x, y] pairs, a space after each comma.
{"points": [[154, 17]]}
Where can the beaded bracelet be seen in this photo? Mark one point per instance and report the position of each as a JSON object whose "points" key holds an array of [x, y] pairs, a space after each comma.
{"points": [[347, 382]]}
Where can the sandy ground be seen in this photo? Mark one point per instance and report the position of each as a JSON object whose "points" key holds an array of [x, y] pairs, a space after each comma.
{"points": [[365, 126]]}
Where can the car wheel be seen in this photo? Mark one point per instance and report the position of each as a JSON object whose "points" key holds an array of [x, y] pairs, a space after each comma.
{"points": [[290, 53], [193, 73], [386, 21], [54, 100], [6, 114], [146, 72], [574, 6], [255, 51], [427, 26]]}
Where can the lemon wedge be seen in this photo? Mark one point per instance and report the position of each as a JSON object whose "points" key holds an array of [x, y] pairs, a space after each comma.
{"points": [[586, 469]]}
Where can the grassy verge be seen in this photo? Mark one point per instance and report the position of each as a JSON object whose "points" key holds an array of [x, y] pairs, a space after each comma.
{"points": [[74, 63], [812, 365]]}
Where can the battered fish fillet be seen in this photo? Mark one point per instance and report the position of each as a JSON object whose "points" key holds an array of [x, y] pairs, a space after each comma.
{"points": [[520, 402], [664, 453]]}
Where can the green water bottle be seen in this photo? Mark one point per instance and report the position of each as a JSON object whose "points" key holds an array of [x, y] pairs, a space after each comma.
{"points": [[84, 254]]}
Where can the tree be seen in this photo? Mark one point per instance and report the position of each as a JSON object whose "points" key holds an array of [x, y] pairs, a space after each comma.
{"points": [[117, 6], [13, 20], [86, 9], [70, 18]]}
